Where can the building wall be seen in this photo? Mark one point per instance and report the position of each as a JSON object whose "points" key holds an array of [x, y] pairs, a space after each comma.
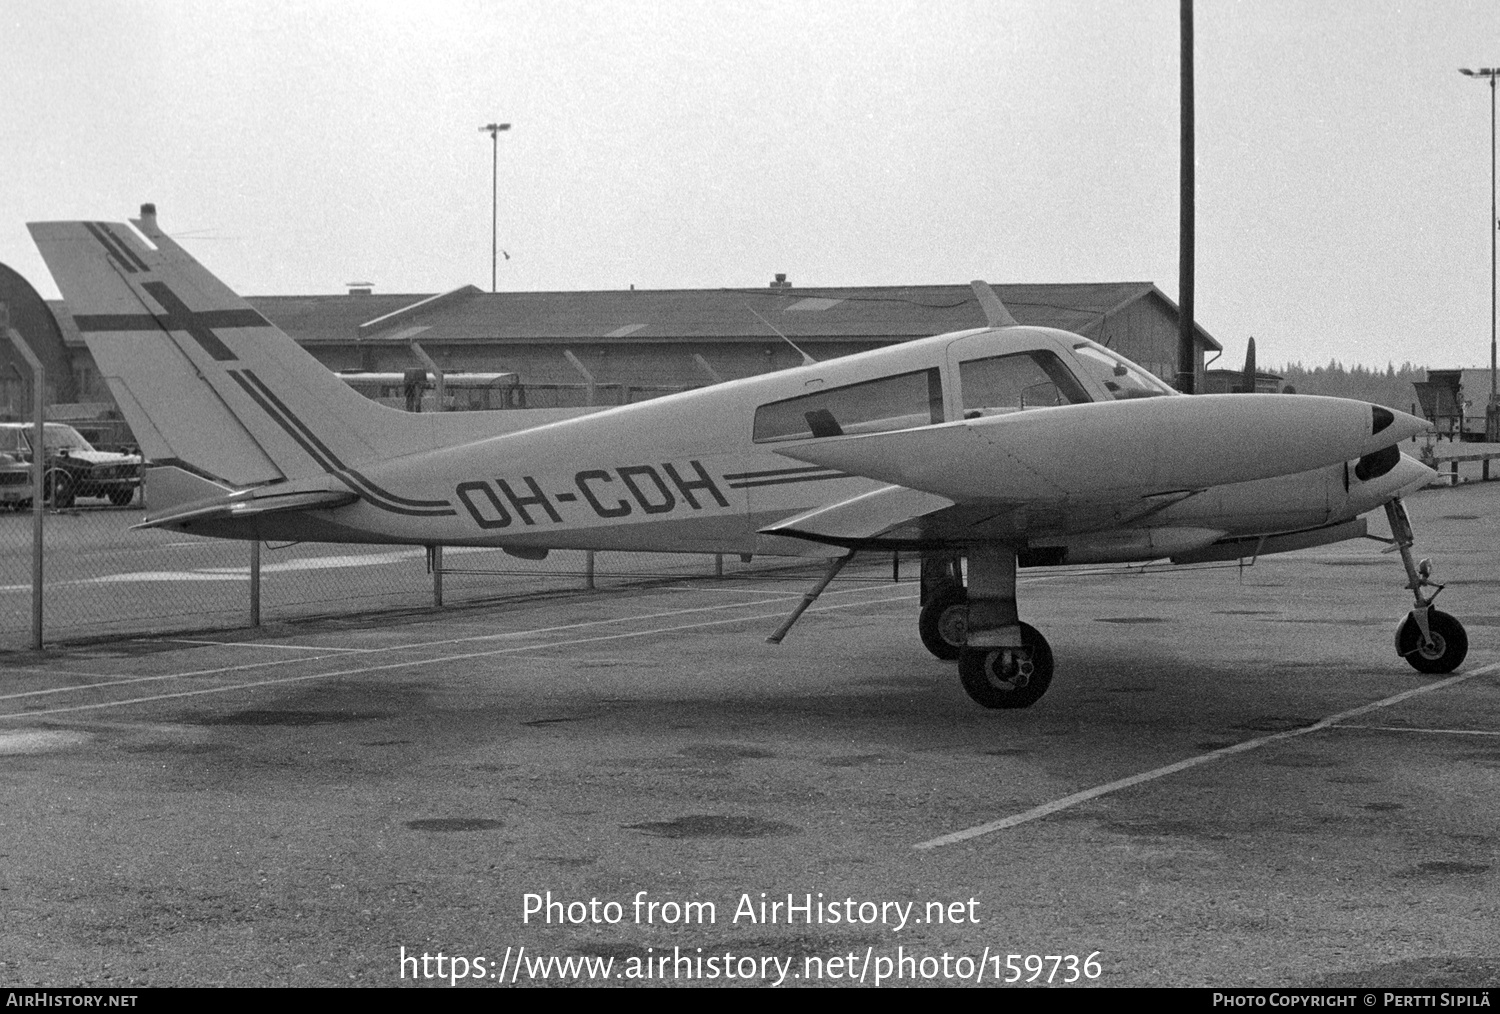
{"points": [[29, 316], [1146, 332], [635, 364]]}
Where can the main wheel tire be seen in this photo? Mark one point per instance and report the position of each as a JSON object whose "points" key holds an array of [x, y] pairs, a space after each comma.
{"points": [[1449, 644], [57, 488], [121, 497], [943, 622], [999, 677]]}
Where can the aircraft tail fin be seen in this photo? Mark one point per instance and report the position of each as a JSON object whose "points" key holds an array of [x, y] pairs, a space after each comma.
{"points": [[995, 312], [203, 378]]}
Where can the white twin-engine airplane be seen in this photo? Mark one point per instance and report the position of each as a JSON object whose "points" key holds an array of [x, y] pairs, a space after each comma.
{"points": [[983, 450]]}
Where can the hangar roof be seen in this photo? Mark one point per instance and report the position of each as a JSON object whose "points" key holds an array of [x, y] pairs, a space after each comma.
{"points": [[468, 315]]}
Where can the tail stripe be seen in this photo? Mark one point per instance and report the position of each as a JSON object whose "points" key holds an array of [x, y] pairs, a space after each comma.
{"points": [[290, 422], [125, 247], [319, 452], [111, 246], [255, 395], [337, 465]]}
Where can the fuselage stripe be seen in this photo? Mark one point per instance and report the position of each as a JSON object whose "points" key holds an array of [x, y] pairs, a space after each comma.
{"points": [[732, 476], [392, 496], [788, 480], [338, 465]]}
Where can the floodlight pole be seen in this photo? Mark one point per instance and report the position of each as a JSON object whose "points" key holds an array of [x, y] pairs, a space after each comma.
{"points": [[494, 129], [1494, 405]]}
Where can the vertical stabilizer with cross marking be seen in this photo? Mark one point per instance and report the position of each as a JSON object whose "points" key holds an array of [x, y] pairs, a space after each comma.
{"points": [[203, 379]]}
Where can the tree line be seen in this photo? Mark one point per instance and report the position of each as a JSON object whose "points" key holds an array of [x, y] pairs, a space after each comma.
{"points": [[1391, 387]]}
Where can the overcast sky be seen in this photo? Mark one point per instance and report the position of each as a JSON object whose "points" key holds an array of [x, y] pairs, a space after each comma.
{"points": [[1343, 162]]}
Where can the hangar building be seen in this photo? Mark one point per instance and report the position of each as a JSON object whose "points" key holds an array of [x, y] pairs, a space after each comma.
{"points": [[565, 348]]}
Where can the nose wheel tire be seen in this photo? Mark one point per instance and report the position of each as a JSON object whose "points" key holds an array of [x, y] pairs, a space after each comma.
{"points": [[943, 622], [1008, 677], [1443, 654]]}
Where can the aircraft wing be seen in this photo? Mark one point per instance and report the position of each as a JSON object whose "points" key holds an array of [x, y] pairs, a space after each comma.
{"points": [[898, 517]]}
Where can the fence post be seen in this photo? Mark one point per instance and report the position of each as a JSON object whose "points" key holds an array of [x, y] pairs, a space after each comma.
{"points": [[38, 468], [436, 562], [718, 565], [591, 391], [255, 583], [588, 569]]}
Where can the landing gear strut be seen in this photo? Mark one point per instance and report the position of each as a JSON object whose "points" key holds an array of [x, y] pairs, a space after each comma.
{"points": [[944, 620], [1002, 662], [1430, 640]]}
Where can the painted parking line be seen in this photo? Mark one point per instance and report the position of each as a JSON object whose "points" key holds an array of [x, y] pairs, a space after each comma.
{"points": [[1066, 802], [445, 642], [252, 644], [411, 663], [770, 598], [1432, 732]]}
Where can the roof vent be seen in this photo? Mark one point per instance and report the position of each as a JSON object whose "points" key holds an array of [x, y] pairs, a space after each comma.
{"points": [[360, 288], [780, 282]]}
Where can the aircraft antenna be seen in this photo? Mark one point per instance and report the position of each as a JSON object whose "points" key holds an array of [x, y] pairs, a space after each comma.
{"points": [[807, 360]]}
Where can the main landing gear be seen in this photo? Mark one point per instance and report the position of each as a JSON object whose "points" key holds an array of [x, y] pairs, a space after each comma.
{"points": [[1002, 662], [1430, 640]]}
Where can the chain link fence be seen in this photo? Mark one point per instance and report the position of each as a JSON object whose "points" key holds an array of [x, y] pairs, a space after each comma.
{"points": [[102, 578]]}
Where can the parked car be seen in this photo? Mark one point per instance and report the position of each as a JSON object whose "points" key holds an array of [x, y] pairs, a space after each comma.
{"points": [[15, 480], [73, 467]]}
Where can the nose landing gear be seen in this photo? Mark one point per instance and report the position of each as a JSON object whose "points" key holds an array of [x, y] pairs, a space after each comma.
{"points": [[1429, 639]]}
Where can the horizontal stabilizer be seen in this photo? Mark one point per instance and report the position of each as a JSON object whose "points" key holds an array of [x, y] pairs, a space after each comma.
{"points": [[246, 504]]}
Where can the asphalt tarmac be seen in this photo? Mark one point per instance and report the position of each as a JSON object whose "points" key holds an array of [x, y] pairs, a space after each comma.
{"points": [[1233, 781]]}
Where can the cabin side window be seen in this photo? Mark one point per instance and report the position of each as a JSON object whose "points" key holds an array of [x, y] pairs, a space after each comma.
{"points": [[890, 403], [1021, 380]]}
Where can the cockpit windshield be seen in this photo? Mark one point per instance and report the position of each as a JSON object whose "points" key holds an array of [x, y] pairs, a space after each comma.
{"points": [[1119, 375]]}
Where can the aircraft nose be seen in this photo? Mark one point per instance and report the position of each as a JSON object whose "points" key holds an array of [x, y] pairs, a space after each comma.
{"points": [[1397, 425]]}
